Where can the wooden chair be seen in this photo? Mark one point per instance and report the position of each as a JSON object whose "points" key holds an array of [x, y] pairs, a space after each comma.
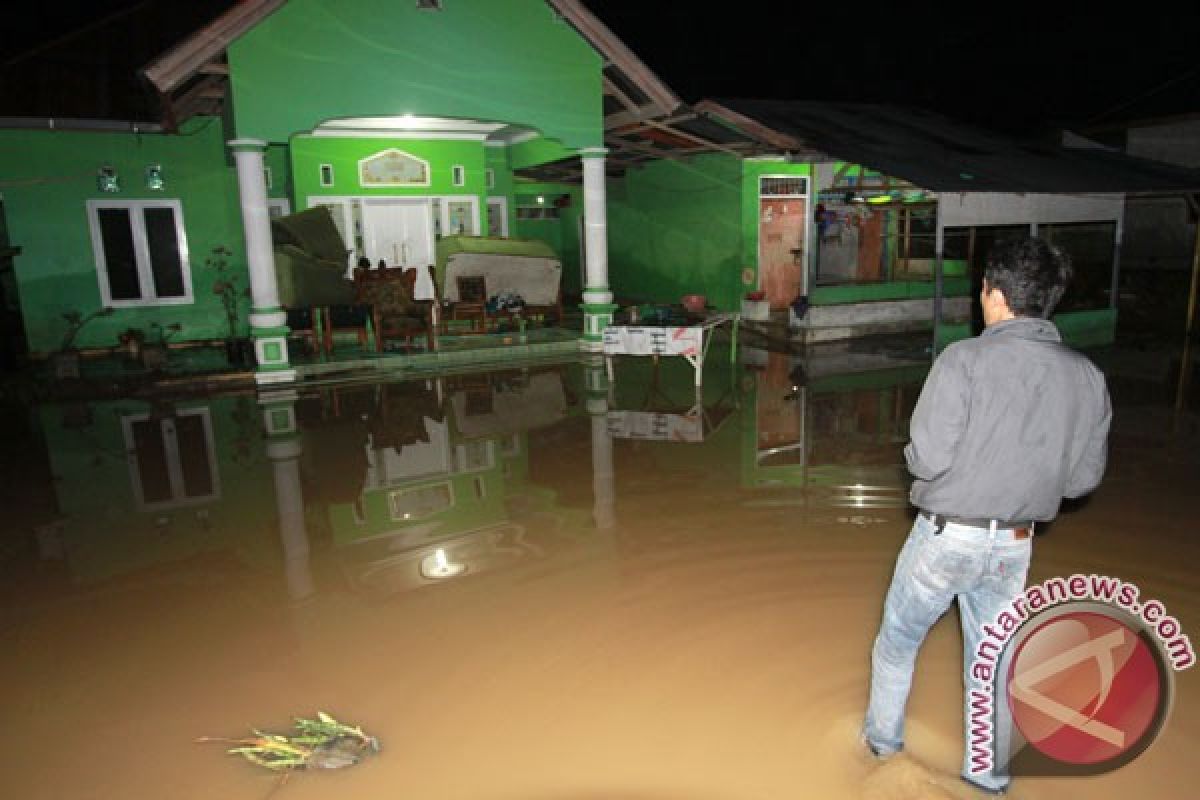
{"points": [[472, 302], [395, 313]]}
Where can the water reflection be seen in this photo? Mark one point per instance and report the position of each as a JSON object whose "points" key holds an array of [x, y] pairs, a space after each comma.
{"points": [[406, 481], [838, 436]]}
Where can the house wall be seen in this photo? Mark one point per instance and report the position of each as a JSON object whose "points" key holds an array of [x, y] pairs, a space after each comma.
{"points": [[48, 178], [562, 233], [514, 61], [678, 227], [310, 152]]}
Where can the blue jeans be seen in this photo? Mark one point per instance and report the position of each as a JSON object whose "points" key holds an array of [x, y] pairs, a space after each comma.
{"points": [[985, 570]]}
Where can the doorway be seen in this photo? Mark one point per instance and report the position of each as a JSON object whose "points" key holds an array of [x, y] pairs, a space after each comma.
{"points": [[399, 232], [782, 228]]}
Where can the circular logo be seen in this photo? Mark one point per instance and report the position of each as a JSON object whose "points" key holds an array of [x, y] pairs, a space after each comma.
{"points": [[1086, 688]]}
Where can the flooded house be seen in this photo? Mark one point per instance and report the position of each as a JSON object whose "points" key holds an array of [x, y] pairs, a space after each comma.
{"points": [[296, 142], [856, 219]]}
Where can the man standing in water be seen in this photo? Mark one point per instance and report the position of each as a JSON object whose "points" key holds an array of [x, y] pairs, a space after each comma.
{"points": [[1008, 423]]}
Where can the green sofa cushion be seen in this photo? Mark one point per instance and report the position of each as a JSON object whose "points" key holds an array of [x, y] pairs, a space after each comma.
{"points": [[314, 232]]}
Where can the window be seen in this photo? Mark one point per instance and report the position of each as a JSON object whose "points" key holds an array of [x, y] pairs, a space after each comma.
{"points": [[171, 460], [278, 207], [489, 175], [268, 178], [537, 212], [783, 186], [141, 252], [459, 175], [327, 174]]}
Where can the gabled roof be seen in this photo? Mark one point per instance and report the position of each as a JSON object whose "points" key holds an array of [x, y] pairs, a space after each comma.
{"points": [[939, 154], [643, 118]]}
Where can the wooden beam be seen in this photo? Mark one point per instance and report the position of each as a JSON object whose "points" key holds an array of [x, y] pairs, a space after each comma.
{"points": [[637, 115], [612, 89], [214, 68], [707, 144], [617, 53], [748, 126], [172, 69]]}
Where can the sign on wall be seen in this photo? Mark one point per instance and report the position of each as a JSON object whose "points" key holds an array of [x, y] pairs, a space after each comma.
{"points": [[393, 167]]}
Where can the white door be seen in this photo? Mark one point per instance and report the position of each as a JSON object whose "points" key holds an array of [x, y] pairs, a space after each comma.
{"points": [[400, 232]]}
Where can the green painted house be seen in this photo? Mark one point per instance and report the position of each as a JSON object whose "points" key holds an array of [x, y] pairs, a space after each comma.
{"points": [[407, 120]]}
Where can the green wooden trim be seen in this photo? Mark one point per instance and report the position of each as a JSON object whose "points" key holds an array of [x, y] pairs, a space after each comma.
{"points": [[1087, 328], [888, 290], [270, 333]]}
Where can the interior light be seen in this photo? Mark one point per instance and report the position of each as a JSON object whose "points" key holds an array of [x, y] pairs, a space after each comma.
{"points": [[541, 200]]}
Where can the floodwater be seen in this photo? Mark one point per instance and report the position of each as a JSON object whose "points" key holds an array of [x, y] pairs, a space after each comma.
{"points": [[526, 585]]}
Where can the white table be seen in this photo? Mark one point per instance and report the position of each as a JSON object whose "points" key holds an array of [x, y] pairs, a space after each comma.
{"points": [[690, 341]]}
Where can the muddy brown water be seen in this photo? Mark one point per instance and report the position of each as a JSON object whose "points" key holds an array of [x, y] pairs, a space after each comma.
{"points": [[526, 587]]}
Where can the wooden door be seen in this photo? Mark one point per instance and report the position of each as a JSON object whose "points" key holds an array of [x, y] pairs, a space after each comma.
{"points": [[782, 255]]}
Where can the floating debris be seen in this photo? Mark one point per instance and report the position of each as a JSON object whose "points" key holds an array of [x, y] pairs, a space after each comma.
{"points": [[321, 743]]}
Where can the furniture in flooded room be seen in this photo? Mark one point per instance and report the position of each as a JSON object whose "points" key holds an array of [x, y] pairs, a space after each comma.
{"points": [[689, 340], [310, 271], [472, 302], [520, 278], [394, 311]]}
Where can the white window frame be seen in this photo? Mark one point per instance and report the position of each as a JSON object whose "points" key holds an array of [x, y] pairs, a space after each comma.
{"points": [[489, 177], [174, 468], [322, 171], [458, 176], [281, 203], [141, 251]]}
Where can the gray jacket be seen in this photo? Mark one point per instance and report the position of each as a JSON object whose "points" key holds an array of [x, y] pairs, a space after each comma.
{"points": [[1008, 423]]}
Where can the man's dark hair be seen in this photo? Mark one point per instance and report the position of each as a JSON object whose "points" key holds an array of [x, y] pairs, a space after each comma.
{"points": [[1031, 273]]}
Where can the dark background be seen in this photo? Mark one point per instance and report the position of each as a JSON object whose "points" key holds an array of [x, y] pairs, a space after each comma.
{"points": [[1016, 68]]}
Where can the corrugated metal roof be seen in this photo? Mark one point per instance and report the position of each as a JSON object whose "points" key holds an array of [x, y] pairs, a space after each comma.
{"points": [[940, 154]]}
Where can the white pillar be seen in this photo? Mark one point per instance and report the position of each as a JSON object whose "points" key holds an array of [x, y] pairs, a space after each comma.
{"points": [[283, 449], [268, 320], [597, 299], [604, 511]]}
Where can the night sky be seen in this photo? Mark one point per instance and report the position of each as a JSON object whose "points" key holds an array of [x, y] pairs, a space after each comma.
{"points": [[1018, 69]]}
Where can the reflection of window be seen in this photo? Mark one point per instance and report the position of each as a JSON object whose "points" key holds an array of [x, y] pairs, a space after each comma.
{"points": [[474, 456], [141, 251], [171, 460], [421, 502]]}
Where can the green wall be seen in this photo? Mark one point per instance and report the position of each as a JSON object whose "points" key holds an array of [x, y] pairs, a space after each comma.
{"points": [[512, 61], [48, 178], [676, 227], [310, 152], [562, 233]]}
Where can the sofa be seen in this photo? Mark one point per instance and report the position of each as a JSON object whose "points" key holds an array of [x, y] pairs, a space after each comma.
{"points": [[310, 260], [510, 268]]}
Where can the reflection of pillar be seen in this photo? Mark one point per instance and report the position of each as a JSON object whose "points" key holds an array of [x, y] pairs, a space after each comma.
{"points": [[268, 321], [603, 476], [597, 299], [283, 449]]}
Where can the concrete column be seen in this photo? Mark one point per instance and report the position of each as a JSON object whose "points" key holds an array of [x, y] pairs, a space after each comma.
{"points": [[597, 299], [283, 449], [268, 321], [603, 475]]}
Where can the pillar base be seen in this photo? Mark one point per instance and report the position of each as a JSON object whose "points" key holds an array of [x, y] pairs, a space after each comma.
{"points": [[596, 317]]}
